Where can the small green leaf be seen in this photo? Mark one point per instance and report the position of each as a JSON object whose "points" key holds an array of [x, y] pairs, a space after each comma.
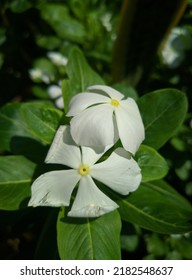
{"points": [[48, 42], [25, 122], [163, 111], [158, 207], [20, 6], [15, 179], [42, 120], [79, 8], [80, 76], [12, 125], [127, 90], [66, 26], [89, 239], [153, 165]]}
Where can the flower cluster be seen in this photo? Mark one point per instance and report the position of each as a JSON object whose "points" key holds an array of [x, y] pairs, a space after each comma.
{"points": [[98, 122]]}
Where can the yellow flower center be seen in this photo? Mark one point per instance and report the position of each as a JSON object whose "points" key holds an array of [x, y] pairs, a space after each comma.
{"points": [[114, 102], [83, 170]]}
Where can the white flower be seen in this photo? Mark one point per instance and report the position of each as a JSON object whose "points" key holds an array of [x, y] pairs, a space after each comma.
{"points": [[55, 93], [98, 126], [119, 172], [38, 75], [57, 58]]}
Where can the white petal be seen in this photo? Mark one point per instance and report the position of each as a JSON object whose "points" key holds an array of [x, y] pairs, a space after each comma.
{"points": [[54, 91], [63, 149], [59, 102], [119, 172], [90, 156], [54, 188], [90, 201], [130, 125], [94, 127], [113, 93], [84, 100]]}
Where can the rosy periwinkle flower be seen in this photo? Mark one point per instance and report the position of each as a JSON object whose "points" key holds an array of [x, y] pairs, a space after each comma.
{"points": [[98, 119], [119, 172]]}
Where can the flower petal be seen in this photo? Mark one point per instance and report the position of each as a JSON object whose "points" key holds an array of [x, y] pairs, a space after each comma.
{"points": [[113, 93], [94, 127], [90, 156], [119, 172], [90, 201], [130, 125], [84, 100], [59, 102], [53, 188], [54, 91], [63, 149]]}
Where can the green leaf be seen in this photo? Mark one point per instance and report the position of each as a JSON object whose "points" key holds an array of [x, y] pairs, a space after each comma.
{"points": [[158, 207], [79, 8], [153, 165], [15, 179], [127, 90], [163, 111], [183, 244], [48, 42], [89, 239], [20, 6], [12, 125], [66, 27], [157, 245], [42, 120], [80, 76], [25, 122]]}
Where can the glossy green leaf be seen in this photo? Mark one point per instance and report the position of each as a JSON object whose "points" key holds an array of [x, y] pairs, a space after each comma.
{"points": [[16, 174], [12, 125], [43, 120], [80, 76], [89, 239], [163, 111], [25, 122], [153, 165], [158, 207]]}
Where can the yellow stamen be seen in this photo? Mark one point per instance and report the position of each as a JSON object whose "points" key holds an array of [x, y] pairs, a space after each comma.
{"points": [[114, 102], [83, 170]]}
